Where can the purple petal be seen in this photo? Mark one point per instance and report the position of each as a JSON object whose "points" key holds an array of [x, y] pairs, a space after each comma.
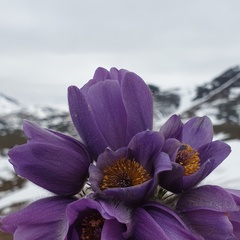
{"points": [[134, 194], [96, 176], [116, 209], [156, 222], [145, 227], [106, 104], [172, 128], [234, 217], [207, 198], [169, 221], [112, 229], [217, 150], [192, 180], [197, 132], [236, 229], [144, 147], [84, 121], [172, 180], [37, 134], [101, 74], [171, 147], [235, 194], [205, 210], [210, 225], [161, 163], [58, 169], [109, 157], [116, 74], [43, 219], [138, 103]]}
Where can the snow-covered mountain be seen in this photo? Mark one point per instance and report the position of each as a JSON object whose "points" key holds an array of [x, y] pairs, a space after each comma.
{"points": [[8, 104], [219, 99], [13, 112]]}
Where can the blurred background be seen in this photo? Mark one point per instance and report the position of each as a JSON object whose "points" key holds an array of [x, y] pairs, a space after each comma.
{"points": [[187, 51]]}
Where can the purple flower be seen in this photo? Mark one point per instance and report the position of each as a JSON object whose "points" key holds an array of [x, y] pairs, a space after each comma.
{"points": [[43, 219], [155, 221], [52, 160], [101, 219], [110, 109], [193, 153], [131, 173], [206, 211]]}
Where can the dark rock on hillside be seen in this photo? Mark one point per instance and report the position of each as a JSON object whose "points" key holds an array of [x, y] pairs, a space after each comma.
{"points": [[220, 100], [206, 89], [165, 102]]}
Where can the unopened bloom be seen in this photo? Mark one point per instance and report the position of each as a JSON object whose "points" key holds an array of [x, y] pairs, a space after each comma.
{"points": [[131, 173], [154, 221], [54, 161], [43, 219], [97, 219], [207, 210], [110, 109], [193, 153]]}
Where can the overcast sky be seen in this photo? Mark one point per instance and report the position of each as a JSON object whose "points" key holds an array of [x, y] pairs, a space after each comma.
{"points": [[47, 45]]}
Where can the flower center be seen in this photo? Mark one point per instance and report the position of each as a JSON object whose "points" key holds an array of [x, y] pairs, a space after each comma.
{"points": [[188, 158], [124, 173], [92, 227]]}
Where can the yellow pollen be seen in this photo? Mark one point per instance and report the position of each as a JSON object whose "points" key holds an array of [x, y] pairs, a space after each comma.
{"points": [[189, 159], [124, 173], [92, 227]]}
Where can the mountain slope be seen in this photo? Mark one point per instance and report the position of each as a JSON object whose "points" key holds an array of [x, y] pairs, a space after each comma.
{"points": [[219, 99]]}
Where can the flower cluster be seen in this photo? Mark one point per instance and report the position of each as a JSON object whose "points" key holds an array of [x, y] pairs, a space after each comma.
{"points": [[122, 179]]}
